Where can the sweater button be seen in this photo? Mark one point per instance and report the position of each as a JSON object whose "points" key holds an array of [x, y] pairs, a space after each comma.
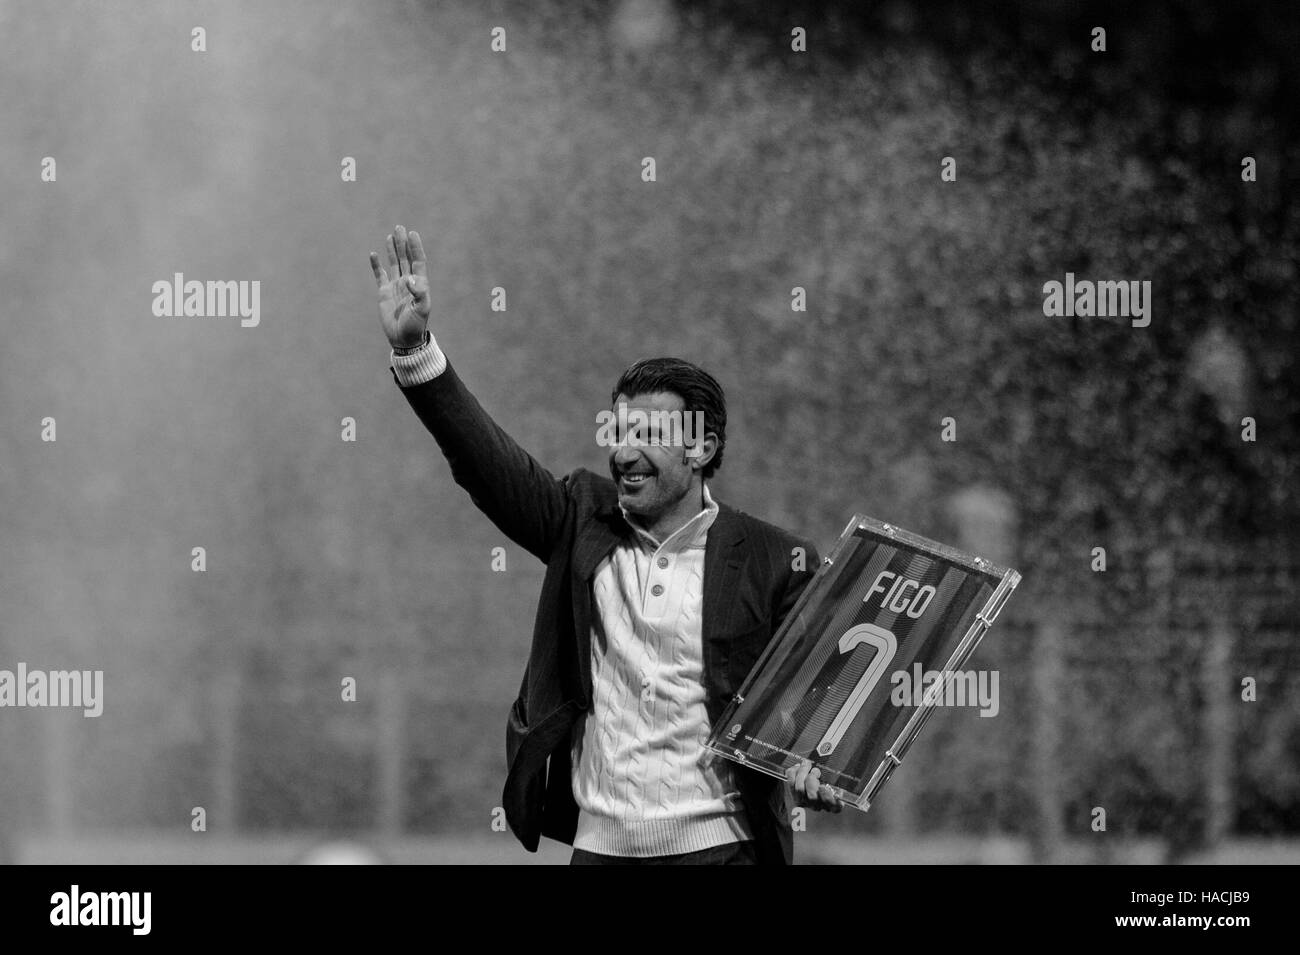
{"points": [[663, 562], [657, 590]]}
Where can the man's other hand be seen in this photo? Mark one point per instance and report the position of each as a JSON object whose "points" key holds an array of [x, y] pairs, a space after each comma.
{"points": [[809, 790]]}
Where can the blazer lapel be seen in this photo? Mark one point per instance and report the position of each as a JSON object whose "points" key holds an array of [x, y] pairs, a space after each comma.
{"points": [[722, 562], [596, 538]]}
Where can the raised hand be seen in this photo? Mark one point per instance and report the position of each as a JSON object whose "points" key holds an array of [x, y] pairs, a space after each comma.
{"points": [[403, 289]]}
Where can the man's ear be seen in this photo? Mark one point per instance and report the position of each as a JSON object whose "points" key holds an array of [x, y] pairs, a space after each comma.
{"points": [[708, 446]]}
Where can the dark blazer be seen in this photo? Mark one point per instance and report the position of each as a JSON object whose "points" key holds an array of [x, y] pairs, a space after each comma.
{"points": [[571, 524]]}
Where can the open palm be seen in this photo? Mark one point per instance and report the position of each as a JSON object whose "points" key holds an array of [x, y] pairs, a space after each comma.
{"points": [[403, 289]]}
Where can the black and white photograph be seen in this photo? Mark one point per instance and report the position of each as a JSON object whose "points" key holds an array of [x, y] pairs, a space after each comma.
{"points": [[650, 432]]}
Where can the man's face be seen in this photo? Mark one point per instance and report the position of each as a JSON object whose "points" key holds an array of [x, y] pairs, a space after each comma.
{"points": [[651, 477]]}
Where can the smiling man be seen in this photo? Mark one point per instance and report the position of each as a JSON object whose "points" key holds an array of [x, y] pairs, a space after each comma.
{"points": [[656, 603]]}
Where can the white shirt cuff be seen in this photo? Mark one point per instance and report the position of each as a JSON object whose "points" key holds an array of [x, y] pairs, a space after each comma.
{"points": [[422, 365]]}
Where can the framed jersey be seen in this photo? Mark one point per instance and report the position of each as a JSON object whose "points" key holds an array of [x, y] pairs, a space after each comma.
{"points": [[843, 681]]}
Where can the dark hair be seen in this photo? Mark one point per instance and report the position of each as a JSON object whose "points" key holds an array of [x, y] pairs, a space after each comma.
{"points": [[698, 390]]}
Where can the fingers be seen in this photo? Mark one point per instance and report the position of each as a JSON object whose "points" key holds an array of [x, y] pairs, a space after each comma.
{"points": [[797, 775], [809, 790], [419, 264], [418, 286], [405, 254], [811, 783], [403, 249], [827, 799], [823, 796], [394, 270]]}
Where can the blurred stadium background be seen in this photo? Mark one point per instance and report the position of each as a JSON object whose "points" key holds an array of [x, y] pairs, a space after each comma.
{"points": [[329, 559]]}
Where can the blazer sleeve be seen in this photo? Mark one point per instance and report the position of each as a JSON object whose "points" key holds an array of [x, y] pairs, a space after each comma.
{"points": [[523, 499]]}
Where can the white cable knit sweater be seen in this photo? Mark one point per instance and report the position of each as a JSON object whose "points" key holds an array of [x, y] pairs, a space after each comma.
{"points": [[637, 770]]}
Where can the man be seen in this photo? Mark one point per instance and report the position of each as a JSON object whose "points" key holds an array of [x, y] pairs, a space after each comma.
{"points": [[657, 601]]}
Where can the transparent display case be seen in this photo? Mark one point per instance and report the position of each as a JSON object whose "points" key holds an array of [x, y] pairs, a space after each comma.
{"points": [[875, 644]]}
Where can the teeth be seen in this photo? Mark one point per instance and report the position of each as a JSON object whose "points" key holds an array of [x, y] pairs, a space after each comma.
{"points": [[634, 478]]}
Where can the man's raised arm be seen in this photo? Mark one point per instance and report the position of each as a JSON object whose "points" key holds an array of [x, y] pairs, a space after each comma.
{"points": [[520, 496]]}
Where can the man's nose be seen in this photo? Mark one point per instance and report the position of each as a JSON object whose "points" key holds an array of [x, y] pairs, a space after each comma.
{"points": [[625, 456]]}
